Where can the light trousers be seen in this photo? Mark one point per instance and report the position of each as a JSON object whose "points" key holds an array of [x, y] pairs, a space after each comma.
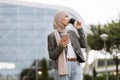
{"points": [[74, 72]]}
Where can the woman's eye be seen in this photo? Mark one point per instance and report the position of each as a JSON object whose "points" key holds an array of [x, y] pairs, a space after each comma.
{"points": [[66, 16]]}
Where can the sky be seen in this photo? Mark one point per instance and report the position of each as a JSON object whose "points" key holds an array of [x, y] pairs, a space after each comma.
{"points": [[92, 11]]}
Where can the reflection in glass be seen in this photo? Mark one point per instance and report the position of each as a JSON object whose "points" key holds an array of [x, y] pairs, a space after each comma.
{"points": [[23, 39]]}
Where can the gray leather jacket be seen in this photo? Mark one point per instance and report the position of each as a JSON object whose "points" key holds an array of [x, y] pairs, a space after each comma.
{"points": [[77, 42]]}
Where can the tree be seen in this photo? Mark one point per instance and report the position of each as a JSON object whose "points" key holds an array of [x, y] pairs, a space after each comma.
{"points": [[93, 38], [94, 73], [28, 74], [44, 70], [32, 72], [113, 31]]}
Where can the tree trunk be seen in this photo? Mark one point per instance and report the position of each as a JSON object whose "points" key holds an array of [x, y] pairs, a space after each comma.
{"points": [[116, 61]]}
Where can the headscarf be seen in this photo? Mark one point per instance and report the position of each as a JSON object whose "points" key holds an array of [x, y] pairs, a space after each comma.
{"points": [[57, 21]]}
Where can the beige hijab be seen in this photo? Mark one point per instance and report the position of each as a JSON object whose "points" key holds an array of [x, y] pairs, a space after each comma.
{"points": [[57, 21], [58, 26]]}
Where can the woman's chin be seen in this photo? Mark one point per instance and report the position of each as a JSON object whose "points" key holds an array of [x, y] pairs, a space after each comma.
{"points": [[66, 25]]}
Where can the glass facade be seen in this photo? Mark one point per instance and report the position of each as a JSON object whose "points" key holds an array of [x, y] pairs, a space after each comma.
{"points": [[23, 37]]}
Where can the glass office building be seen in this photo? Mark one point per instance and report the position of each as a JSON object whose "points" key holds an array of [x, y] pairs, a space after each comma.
{"points": [[23, 37]]}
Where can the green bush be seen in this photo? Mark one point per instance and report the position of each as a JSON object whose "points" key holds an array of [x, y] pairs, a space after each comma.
{"points": [[112, 77], [87, 77], [100, 77]]}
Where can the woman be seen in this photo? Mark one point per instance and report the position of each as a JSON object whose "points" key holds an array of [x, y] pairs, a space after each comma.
{"points": [[64, 47]]}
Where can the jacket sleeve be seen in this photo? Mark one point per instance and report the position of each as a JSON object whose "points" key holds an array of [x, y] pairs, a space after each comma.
{"points": [[54, 51], [82, 39]]}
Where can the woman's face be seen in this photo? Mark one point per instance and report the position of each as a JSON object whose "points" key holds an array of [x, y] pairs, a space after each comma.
{"points": [[65, 20]]}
